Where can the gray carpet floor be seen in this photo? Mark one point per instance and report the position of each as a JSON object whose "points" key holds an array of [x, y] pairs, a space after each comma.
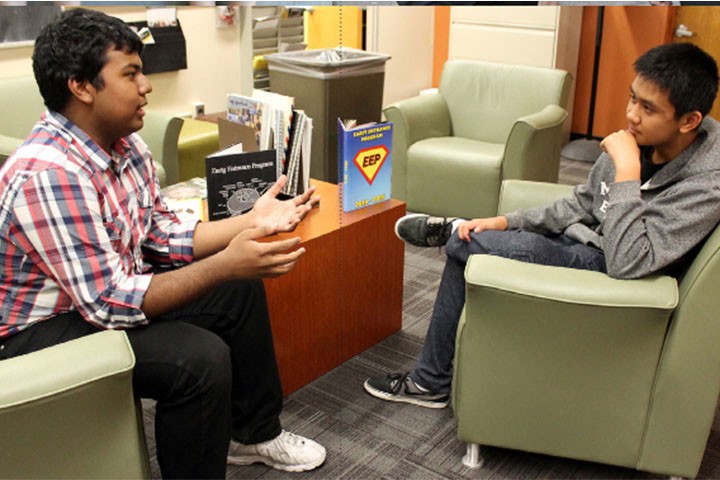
{"points": [[370, 439]]}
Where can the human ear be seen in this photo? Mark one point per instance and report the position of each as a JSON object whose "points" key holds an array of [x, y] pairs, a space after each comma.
{"points": [[81, 90], [690, 121]]}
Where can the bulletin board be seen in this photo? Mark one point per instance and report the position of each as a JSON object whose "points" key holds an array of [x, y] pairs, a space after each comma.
{"points": [[20, 26]]}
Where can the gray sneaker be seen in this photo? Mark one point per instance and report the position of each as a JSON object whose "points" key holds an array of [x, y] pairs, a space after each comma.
{"points": [[399, 387], [423, 230]]}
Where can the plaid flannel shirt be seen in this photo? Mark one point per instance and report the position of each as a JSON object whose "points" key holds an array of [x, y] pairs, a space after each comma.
{"points": [[81, 229]]}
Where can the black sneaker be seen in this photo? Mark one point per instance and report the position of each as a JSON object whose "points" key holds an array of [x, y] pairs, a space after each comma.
{"points": [[423, 230], [399, 387]]}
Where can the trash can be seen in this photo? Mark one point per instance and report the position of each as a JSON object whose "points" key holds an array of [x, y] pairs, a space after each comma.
{"points": [[329, 84]]}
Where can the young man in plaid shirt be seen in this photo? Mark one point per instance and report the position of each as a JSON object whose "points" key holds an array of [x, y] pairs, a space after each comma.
{"points": [[89, 244]]}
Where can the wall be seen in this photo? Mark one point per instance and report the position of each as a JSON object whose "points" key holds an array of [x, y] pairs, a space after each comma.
{"points": [[627, 33], [207, 79], [405, 34], [441, 29]]}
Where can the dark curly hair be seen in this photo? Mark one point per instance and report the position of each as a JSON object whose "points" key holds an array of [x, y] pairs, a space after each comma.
{"points": [[685, 72], [75, 45]]}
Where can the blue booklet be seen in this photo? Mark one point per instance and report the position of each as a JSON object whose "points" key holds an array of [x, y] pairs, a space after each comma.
{"points": [[364, 153]]}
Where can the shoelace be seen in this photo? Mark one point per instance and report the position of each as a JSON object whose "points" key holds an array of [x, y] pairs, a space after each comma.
{"points": [[435, 232], [397, 380], [293, 439]]}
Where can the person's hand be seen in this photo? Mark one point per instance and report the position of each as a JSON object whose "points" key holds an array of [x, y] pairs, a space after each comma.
{"points": [[478, 225], [625, 153], [268, 211], [246, 257]]}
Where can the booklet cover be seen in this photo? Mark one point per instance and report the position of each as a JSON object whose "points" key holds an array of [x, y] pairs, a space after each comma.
{"points": [[186, 198], [236, 179], [252, 113], [365, 155]]}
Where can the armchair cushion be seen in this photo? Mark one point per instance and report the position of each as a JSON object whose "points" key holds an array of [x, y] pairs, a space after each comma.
{"points": [[466, 178], [510, 114], [68, 411], [486, 99]]}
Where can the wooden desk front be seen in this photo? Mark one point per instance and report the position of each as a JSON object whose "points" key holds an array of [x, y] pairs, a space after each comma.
{"points": [[344, 295]]}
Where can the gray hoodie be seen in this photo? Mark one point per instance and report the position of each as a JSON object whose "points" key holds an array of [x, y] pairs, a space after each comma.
{"points": [[642, 229]]}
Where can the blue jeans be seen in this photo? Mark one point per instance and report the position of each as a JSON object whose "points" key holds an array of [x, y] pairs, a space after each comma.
{"points": [[434, 367]]}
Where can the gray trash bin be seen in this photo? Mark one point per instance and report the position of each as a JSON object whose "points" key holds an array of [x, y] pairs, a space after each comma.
{"points": [[329, 84]]}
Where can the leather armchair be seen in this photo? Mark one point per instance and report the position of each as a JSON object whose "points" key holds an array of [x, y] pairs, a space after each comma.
{"points": [[577, 364], [22, 105], [487, 123], [161, 132], [68, 411]]}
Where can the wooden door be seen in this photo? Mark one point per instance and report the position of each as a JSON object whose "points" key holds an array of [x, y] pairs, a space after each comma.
{"points": [[704, 24]]}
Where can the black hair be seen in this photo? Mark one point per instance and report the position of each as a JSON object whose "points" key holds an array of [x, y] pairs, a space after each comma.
{"points": [[75, 45], [687, 73]]}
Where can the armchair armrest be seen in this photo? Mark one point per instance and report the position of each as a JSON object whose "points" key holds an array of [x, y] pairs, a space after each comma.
{"points": [[517, 194], [570, 285], [532, 150], [64, 367], [68, 411], [414, 119]]}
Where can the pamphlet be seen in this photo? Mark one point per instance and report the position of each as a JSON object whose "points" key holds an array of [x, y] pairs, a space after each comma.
{"points": [[236, 179], [364, 153]]}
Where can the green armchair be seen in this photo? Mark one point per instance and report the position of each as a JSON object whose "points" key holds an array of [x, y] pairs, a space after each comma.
{"points": [[577, 364], [22, 105], [487, 123], [68, 411]]}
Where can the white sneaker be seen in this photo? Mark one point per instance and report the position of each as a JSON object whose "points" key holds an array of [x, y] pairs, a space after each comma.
{"points": [[287, 451]]}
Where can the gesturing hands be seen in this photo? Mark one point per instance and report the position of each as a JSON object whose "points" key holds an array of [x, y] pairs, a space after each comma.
{"points": [[246, 257], [268, 211]]}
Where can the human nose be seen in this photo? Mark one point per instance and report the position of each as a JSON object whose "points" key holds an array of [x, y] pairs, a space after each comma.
{"points": [[145, 86], [631, 113]]}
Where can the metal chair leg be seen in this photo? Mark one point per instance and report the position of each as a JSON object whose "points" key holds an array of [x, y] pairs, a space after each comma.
{"points": [[472, 458]]}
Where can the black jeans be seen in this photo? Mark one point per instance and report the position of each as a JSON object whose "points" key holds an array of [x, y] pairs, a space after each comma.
{"points": [[210, 366]]}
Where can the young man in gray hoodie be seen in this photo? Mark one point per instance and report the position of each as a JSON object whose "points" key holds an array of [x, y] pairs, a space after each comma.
{"points": [[651, 197]]}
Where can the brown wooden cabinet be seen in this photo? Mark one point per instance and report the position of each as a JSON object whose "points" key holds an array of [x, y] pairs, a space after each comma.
{"points": [[345, 293]]}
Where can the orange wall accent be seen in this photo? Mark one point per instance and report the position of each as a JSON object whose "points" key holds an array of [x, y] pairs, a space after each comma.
{"points": [[442, 41], [627, 33], [330, 27]]}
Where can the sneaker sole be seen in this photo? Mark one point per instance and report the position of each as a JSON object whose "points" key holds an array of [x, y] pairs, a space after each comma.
{"points": [[412, 215], [251, 459], [396, 398]]}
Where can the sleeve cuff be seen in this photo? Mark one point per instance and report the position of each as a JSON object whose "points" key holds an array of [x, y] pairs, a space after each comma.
{"points": [[181, 242]]}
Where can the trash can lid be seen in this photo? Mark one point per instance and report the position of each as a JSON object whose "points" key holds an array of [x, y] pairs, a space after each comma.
{"points": [[324, 57], [327, 62]]}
